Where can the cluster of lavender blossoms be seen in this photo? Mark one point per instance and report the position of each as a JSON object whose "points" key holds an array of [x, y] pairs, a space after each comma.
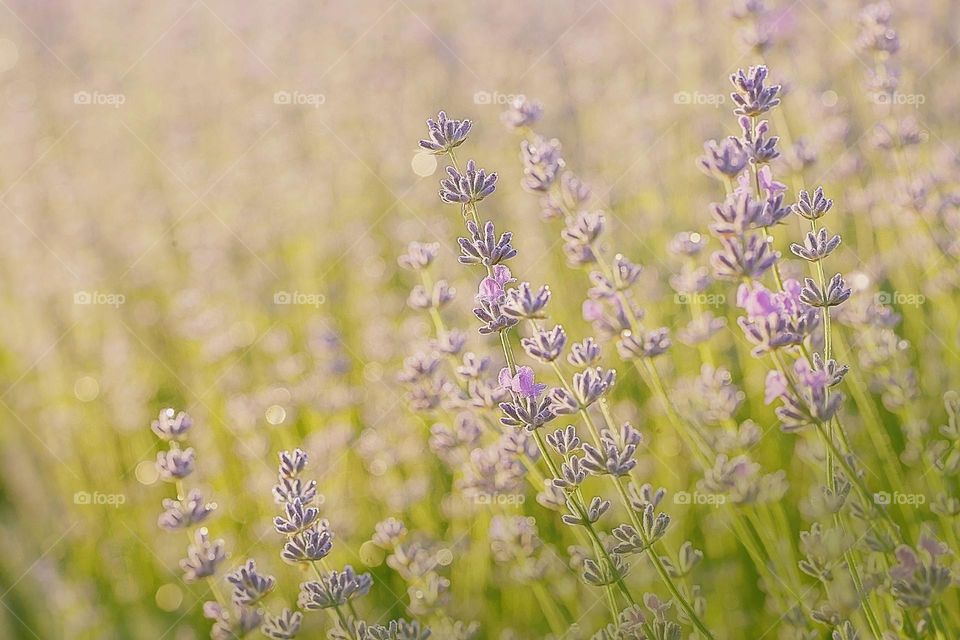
{"points": [[505, 305], [308, 542], [786, 318], [241, 614]]}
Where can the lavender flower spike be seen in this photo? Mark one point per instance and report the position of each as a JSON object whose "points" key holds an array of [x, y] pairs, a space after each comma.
{"points": [[751, 97], [469, 187], [522, 113], [171, 425], [446, 134]]}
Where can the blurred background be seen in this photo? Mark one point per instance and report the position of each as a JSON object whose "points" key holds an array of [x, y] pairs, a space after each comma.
{"points": [[203, 204]]}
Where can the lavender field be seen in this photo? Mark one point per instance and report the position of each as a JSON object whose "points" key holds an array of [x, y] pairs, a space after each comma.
{"points": [[395, 320]]}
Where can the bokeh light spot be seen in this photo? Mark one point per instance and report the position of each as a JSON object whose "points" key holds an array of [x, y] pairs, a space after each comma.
{"points": [[146, 472], [169, 597], [371, 555], [86, 389], [424, 164], [276, 414]]}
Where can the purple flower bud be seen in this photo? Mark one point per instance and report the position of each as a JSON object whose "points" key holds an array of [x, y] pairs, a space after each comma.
{"points": [[445, 134], [419, 255], [175, 464], [812, 207], [522, 113], [816, 246], [469, 187], [584, 353], [171, 425], [545, 346], [724, 159], [542, 163], [521, 383], [485, 249], [203, 556], [523, 303], [249, 586], [185, 514], [751, 97]]}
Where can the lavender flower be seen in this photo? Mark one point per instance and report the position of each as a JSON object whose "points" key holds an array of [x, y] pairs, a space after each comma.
{"points": [[760, 147], [485, 249], [522, 113], [774, 320], [419, 255], [184, 514], [286, 626], [616, 453], [835, 294], [469, 187], [492, 287], [542, 163], [249, 586], [545, 346], [564, 441], [388, 533], [523, 303], [816, 246], [522, 383], [806, 404], [334, 589], [569, 194], [227, 625], [751, 96], [175, 464], [527, 412], [171, 425], [723, 160], [743, 257], [445, 134], [584, 354], [203, 556], [651, 344], [812, 207], [588, 386]]}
